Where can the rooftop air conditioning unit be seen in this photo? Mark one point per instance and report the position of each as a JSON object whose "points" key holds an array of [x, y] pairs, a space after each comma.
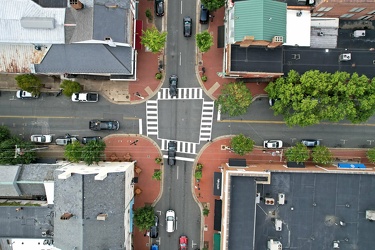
{"points": [[274, 245], [299, 13], [345, 57], [320, 33], [359, 33]]}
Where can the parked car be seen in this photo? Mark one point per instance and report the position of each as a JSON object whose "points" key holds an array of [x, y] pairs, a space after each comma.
{"points": [[104, 125], [272, 101], [172, 148], [41, 138], [203, 19], [154, 247], [183, 242], [310, 142], [170, 218], [85, 97], [173, 82], [65, 140], [159, 7], [87, 139], [22, 94], [273, 144], [154, 229], [187, 26]]}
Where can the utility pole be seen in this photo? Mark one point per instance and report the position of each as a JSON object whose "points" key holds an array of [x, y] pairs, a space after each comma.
{"points": [[19, 151]]}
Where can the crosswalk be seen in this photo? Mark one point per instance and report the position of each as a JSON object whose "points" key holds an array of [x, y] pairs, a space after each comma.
{"points": [[152, 117], [206, 120], [182, 146], [182, 93]]}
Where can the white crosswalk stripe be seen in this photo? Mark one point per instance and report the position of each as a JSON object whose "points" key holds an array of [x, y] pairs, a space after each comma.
{"points": [[152, 117], [206, 120], [182, 93], [182, 146]]}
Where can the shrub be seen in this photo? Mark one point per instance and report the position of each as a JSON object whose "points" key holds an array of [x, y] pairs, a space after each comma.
{"points": [[158, 76], [149, 15], [157, 175], [158, 160], [206, 211], [198, 174], [204, 78]]}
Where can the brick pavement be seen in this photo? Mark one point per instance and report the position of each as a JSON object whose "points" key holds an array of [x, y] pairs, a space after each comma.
{"points": [[144, 151]]}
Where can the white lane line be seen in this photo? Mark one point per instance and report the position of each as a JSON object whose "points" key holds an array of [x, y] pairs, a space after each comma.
{"points": [[180, 58], [177, 172], [140, 127], [181, 7]]}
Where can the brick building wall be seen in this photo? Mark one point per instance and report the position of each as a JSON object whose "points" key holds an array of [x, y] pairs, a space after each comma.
{"points": [[345, 9]]}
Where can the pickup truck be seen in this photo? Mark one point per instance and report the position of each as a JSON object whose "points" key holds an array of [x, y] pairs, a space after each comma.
{"points": [[97, 125], [85, 97]]}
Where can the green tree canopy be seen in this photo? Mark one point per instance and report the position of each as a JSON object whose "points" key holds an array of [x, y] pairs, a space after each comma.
{"points": [[298, 153], [213, 5], [70, 87], [371, 155], [321, 155], [73, 151], [319, 96], [144, 217], [204, 41], [241, 144], [153, 39], [9, 155], [4, 133], [29, 83], [235, 99], [92, 152]]}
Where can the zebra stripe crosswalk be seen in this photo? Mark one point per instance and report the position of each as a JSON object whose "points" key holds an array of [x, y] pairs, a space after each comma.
{"points": [[182, 93], [206, 120], [152, 117], [182, 146]]}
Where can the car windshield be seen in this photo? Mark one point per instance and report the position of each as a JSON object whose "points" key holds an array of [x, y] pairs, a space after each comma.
{"points": [[41, 139], [170, 218]]}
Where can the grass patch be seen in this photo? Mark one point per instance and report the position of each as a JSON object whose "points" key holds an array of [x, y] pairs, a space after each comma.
{"points": [[18, 204]]}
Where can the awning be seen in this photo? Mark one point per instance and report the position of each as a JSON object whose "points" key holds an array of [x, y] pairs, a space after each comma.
{"points": [[217, 215], [220, 36], [217, 241], [233, 162], [292, 164], [351, 165], [217, 183]]}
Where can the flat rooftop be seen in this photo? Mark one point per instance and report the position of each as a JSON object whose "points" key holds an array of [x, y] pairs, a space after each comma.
{"points": [[319, 209]]}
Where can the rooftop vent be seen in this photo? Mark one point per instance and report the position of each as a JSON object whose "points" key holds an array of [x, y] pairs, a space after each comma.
{"points": [[38, 23], [320, 33], [66, 216], [102, 217], [110, 5], [359, 33], [278, 39], [345, 57], [76, 4], [299, 13]]}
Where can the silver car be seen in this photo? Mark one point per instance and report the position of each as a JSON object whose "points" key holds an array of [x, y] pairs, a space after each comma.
{"points": [[310, 142]]}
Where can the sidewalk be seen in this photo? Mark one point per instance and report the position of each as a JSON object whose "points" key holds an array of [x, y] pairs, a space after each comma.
{"points": [[212, 155], [120, 148]]}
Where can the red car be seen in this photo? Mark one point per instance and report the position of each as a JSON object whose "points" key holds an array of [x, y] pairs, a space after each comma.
{"points": [[183, 242]]}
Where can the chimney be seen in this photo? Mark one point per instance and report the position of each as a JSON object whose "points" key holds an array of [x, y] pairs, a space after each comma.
{"points": [[76, 4], [66, 216], [101, 217]]}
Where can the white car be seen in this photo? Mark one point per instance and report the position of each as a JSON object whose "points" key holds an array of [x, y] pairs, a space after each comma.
{"points": [[22, 94], [41, 138], [170, 218], [273, 144]]}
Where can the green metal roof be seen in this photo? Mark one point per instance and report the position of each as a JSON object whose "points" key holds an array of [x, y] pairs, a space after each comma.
{"points": [[262, 19]]}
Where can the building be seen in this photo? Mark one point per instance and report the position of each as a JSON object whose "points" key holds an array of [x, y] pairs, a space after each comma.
{"points": [[345, 9]]}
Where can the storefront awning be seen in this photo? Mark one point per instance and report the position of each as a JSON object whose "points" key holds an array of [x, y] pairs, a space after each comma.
{"points": [[217, 215], [217, 183]]}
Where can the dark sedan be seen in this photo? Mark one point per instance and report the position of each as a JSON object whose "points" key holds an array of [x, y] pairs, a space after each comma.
{"points": [[173, 82], [187, 26], [159, 7], [104, 125], [172, 148]]}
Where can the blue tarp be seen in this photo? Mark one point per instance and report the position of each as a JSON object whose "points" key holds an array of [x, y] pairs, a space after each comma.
{"points": [[351, 165], [131, 215]]}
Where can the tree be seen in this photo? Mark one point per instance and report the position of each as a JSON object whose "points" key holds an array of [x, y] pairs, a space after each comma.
{"points": [[73, 151], [321, 155], [235, 99], [157, 175], [204, 41], [298, 153], [198, 174], [319, 96], [70, 87], [371, 155], [213, 5], [153, 39], [144, 217], [10, 155], [92, 152], [4, 133], [29, 83], [241, 144]]}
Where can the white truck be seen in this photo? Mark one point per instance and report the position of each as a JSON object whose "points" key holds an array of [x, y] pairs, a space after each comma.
{"points": [[85, 97]]}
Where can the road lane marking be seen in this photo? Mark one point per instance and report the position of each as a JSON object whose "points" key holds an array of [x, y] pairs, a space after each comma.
{"points": [[58, 117], [180, 58], [177, 172], [282, 122], [181, 7]]}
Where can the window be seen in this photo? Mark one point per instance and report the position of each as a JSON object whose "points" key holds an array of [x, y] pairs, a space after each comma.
{"points": [[325, 9], [317, 14], [346, 15], [356, 9], [371, 13], [364, 17]]}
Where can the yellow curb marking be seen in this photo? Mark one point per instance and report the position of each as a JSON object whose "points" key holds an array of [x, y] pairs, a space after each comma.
{"points": [[281, 122]]}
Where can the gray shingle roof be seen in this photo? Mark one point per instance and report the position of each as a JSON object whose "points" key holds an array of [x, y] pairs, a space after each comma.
{"points": [[87, 58], [85, 198]]}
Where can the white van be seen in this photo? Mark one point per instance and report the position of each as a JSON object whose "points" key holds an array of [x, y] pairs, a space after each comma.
{"points": [[170, 218]]}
